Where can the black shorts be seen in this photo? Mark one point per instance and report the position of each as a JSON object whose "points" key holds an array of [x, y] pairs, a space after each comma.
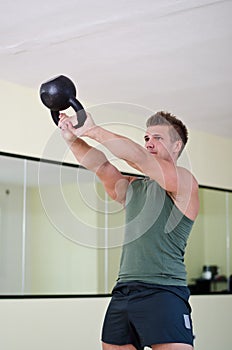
{"points": [[144, 314]]}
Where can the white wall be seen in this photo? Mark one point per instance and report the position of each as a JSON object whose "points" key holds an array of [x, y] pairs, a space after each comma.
{"points": [[210, 157], [75, 324], [212, 317], [51, 324]]}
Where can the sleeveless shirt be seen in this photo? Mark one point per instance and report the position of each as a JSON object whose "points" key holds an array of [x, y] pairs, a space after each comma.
{"points": [[156, 234]]}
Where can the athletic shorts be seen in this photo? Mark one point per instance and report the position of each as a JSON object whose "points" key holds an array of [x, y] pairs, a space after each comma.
{"points": [[144, 314]]}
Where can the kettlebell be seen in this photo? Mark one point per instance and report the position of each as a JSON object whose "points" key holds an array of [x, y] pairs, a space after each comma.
{"points": [[58, 94]]}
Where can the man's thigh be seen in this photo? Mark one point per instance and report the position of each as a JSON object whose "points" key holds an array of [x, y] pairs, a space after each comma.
{"points": [[117, 347]]}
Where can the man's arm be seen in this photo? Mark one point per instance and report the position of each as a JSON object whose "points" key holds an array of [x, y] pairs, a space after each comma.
{"points": [[94, 160], [162, 171]]}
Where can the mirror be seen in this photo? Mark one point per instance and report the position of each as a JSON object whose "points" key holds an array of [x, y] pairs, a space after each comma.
{"points": [[208, 255], [61, 234]]}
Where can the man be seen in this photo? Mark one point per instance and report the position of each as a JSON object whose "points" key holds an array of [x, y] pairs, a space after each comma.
{"points": [[149, 306]]}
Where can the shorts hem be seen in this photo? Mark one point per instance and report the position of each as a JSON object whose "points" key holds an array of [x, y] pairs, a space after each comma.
{"points": [[165, 342], [114, 343]]}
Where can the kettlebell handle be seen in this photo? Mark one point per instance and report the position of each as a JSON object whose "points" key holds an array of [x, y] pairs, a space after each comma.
{"points": [[78, 108]]}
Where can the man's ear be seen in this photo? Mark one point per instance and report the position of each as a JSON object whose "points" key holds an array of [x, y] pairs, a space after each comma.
{"points": [[178, 146]]}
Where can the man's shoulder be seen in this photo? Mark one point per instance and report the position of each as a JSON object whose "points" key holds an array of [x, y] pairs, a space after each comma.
{"points": [[187, 198], [185, 174]]}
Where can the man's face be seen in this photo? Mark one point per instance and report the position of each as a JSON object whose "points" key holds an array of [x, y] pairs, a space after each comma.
{"points": [[158, 141]]}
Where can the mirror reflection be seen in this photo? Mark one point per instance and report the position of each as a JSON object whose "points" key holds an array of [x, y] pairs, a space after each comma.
{"points": [[61, 234], [208, 256]]}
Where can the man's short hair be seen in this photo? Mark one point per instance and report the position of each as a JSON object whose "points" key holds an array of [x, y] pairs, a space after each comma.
{"points": [[178, 130]]}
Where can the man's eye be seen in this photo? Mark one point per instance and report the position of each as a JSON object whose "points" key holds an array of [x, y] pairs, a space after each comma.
{"points": [[157, 138], [146, 139]]}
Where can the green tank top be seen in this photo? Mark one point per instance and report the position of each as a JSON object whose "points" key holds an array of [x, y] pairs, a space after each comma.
{"points": [[156, 234]]}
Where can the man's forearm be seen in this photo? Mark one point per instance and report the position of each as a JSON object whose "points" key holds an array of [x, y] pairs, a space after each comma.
{"points": [[88, 156], [122, 147]]}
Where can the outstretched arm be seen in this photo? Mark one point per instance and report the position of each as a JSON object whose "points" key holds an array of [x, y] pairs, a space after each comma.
{"points": [[164, 172], [94, 160]]}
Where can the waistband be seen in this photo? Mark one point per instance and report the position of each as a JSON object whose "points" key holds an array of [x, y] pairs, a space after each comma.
{"points": [[129, 288]]}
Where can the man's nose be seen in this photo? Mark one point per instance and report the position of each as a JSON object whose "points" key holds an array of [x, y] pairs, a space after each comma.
{"points": [[150, 145]]}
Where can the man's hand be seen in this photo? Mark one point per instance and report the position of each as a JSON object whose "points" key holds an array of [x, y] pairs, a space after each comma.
{"points": [[69, 131]]}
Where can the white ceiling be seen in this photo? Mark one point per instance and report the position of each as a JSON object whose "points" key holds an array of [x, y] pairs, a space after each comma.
{"points": [[160, 54]]}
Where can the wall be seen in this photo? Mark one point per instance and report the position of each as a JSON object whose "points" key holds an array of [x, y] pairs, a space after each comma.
{"points": [[51, 324], [25, 126], [212, 317], [60, 324], [210, 159]]}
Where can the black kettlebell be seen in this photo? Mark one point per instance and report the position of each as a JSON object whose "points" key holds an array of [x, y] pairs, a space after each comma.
{"points": [[58, 94]]}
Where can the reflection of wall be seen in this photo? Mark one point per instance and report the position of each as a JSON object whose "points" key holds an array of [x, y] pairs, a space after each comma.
{"points": [[210, 235], [11, 207], [109, 257], [55, 263], [215, 228], [194, 258]]}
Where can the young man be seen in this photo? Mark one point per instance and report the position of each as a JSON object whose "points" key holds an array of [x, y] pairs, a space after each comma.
{"points": [[149, 306]]}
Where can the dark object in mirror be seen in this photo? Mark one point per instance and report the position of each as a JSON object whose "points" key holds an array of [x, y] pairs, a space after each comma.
{"points": [[210, 272], [230, 284]]}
